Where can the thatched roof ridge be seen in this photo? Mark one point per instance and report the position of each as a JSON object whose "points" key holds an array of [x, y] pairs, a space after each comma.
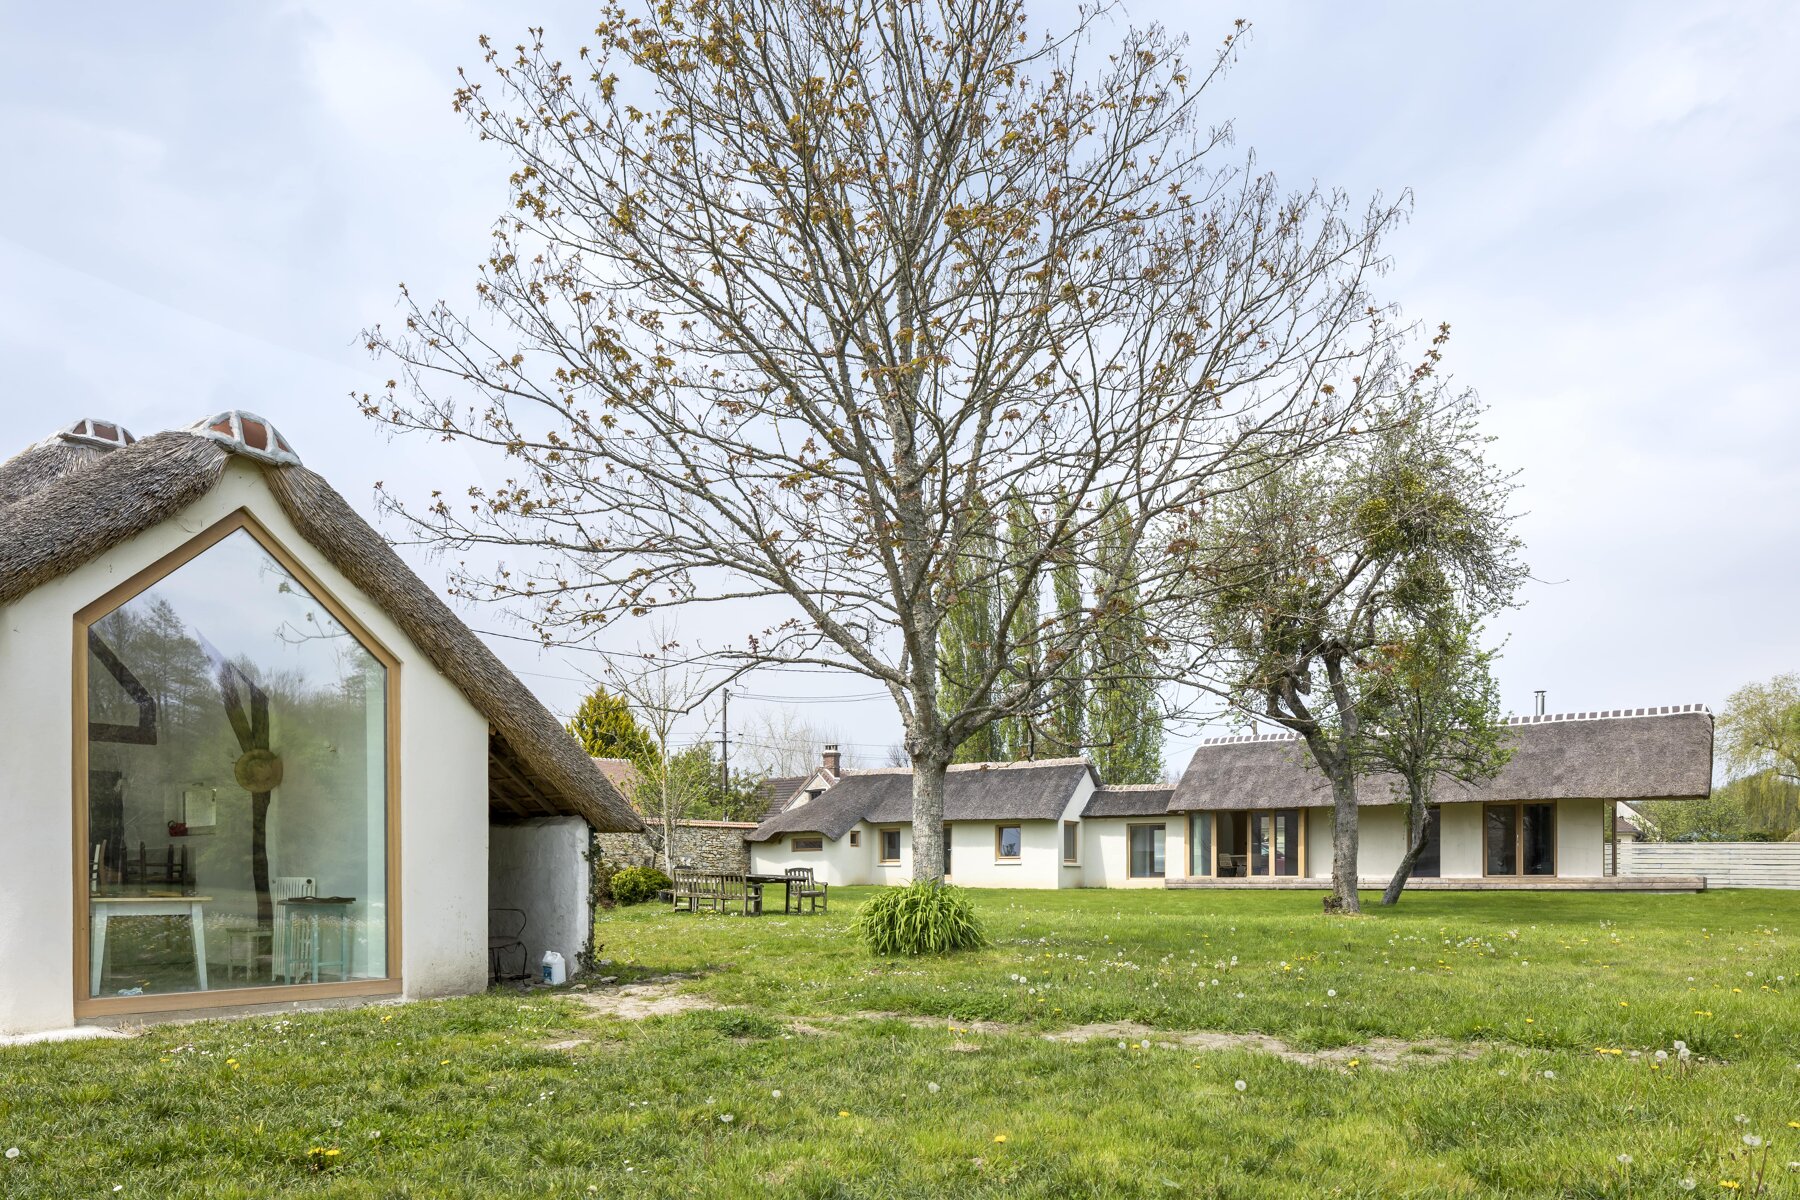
{"points": [[66, 521], [1130, 800], [1618, 754], [1025, 791], [62, 521]]}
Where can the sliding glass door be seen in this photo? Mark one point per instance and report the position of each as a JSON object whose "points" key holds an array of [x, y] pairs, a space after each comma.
{"points": [[1520, 839], [1258, 844]]}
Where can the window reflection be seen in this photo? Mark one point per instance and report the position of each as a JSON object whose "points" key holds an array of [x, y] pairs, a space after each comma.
{"points": [[237, 753]]}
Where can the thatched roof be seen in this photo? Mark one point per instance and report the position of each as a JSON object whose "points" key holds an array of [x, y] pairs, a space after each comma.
{"points": [[1130, 800], [57, 512], [1026, 791], [1621, 754]]}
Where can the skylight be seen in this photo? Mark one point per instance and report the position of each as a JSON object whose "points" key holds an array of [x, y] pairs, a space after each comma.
{"points": [[91, 432]]}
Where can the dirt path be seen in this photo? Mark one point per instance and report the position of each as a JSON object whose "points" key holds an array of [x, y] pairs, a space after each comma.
{"points": [[660, 998]]}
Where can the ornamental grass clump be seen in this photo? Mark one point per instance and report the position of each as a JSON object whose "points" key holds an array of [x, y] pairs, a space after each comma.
{"points": [[921, 918]]}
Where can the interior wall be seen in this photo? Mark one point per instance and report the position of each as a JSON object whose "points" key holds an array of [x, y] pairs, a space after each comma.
{"points": [[541, 867]]}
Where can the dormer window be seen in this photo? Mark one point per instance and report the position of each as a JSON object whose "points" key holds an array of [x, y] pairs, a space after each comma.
{"points": [[89, 432], [246, 433]]}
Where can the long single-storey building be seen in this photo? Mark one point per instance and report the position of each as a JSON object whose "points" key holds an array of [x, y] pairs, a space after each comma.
{"points": [[247, 757], [1253, 811]]}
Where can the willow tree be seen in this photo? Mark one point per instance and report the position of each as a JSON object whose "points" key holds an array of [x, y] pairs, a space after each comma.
{"points": [[1317, 560], [788, 295]]}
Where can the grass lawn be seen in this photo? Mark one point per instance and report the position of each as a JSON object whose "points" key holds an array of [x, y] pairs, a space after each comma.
{"points": [[1535, 1017]]}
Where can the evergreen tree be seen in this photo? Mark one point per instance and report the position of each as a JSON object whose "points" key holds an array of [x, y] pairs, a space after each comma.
{"points": [[1015, 737], [1065, 720], [606, 728], [966, 643], [1124, 721]]}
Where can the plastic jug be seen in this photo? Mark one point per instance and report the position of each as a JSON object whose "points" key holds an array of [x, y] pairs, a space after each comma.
{"points": [[555, 971]]}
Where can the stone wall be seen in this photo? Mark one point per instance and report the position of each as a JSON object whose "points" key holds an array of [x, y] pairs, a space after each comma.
{"points": [[708, 845]]}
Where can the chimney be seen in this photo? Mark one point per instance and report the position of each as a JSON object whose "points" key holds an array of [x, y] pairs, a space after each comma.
{"points": [[1540, 701], [830, 757]]}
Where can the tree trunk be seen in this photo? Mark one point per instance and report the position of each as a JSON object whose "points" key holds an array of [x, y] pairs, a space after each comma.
{"points": [[928, 818], [1415, 846], [1344, 839]]}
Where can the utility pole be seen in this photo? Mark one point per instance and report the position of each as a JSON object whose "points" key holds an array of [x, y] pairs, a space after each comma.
{"points": [[725, 743]]}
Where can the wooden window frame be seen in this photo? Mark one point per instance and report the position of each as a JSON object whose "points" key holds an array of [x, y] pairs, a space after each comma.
{"points": [[1519, 807], [123, 593], [1008, 859], [855, 838], [795, 847], [881, 855], [1162, 825], [1249, 815], [1068, 828]]}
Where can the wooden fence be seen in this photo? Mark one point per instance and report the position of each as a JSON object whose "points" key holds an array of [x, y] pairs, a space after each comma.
{"points": [[1725, 864]]}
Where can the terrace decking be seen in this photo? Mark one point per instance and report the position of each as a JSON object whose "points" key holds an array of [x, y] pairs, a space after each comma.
{"points": [[1610, 883]]}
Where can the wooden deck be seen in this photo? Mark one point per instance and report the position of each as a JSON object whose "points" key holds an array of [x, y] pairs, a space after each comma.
{"points": [[1610, 883]]}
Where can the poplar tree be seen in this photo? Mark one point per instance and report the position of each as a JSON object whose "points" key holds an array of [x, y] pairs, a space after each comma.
{"points": [[1125, 723]]}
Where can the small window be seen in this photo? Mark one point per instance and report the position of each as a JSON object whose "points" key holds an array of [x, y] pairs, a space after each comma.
{"points": [[890, 845], [855, 838], [806, 843], [1071, 841], [1008, 841], [946, 851], [1146, 851]]}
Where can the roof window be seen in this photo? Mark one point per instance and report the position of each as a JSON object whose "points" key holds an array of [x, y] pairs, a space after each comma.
{"points": [[246, 433], [91, 432]]}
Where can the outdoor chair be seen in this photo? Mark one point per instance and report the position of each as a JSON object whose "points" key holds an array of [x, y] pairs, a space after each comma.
{"points": [[506, 929], [706, 892], [802, 888]]}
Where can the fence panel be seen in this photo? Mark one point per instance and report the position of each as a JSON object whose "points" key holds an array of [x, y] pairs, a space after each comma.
{"points": [[1725, 864]]}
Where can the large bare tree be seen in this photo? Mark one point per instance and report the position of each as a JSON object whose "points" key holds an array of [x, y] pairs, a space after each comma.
{"points": [[790, 295]]}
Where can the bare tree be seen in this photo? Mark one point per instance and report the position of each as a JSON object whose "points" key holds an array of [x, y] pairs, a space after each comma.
{"points": [[781, 743], [790, 295], [665, 690]]}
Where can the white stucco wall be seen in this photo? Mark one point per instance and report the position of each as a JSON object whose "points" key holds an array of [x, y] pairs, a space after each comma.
{"points": [[541, 867], [1580, 839], [1108, 851], [973, 862], [839, 863], [1459, 841], [443, 772]]}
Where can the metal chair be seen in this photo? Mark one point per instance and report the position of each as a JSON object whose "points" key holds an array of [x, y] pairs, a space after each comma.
{"points": [[506, 929]]}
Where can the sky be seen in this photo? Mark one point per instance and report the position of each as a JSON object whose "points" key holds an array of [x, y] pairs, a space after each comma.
{"points": [[202, 206]]}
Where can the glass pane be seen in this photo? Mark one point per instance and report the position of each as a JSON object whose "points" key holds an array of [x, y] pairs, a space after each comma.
{"points": [[946, 849], [1502, 839], [1200, 844], [1069, 841], [1009, 841], [1287, 841], [1234, 841], [1147, 846], [1430, 862], [1259, 843], [237, 787], [1540, 839]]}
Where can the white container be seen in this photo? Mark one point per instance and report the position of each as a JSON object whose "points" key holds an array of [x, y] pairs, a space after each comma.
{"points": [[555, 971]]}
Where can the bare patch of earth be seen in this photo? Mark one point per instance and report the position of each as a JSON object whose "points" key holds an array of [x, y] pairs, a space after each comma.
{"points": [[636, 1001], [646, 998]]}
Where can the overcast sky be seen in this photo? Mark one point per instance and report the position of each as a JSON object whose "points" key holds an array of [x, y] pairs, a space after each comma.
{"points": [[203, 204]]}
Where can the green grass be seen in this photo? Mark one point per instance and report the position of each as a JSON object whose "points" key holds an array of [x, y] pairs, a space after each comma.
{"points": [[466, 1097]]}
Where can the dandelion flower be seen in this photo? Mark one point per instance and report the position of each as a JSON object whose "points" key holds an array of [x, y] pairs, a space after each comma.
{"points": [[1625, 1159], [12, 1152], [999, 1137], [1752, 1141], [843, 1112], [726, 1118], [1741, 1119], [1331, 992], [1688, 1185], [1549, 1074], [1241, 1086]]}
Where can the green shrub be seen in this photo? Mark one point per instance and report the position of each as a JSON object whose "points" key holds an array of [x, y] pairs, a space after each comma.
{"points": [[634, 885], [920, 918]]}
